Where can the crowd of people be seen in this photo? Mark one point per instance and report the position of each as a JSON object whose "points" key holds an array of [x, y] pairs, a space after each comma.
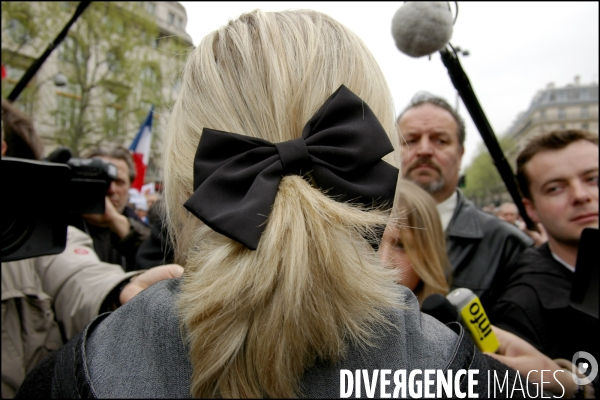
{"points": [[301, 227]]}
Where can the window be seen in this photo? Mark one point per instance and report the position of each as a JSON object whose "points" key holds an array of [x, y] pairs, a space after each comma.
{"points": [[113, 62], [142, 112], [17, 31], [145, 107], [150, 7], [119, 26], [69, 51], [573, 94], [562, 114], [171, 19], [113, 24], [67, 110], [148, 75], [111, 124], [585, 94], [111, 98], [585, 113], [111, 113], [585, 127], [543, 113], [180, 22]]}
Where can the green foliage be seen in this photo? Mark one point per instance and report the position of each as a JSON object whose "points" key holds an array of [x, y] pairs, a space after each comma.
{"points": [[482, 177], [102, 58], [25, 34], [24, 23], [117, 63]]}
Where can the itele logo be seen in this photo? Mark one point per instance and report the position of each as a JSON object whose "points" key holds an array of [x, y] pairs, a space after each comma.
{"points": [[583, 366]]}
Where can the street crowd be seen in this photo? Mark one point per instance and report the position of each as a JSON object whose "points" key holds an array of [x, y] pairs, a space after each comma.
{"points": [[301, 228]]}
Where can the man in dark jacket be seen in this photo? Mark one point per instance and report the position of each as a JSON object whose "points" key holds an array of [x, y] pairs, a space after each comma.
{"points": [[479, 245], [558, 175], [119, 232]]}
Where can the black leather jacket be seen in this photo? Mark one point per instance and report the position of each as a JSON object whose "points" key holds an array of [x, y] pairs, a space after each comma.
{"points": [[480, 248]]}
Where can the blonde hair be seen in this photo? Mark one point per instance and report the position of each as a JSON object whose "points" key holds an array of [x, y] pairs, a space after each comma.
{"points": [[420, 230], [255, 320]]}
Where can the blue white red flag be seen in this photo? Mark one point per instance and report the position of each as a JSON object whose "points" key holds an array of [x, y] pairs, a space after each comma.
{"points": [[140, 147]]}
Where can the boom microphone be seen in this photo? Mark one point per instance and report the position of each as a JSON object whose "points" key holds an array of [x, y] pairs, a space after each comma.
{"points": [[60, 155], [422, 28]]}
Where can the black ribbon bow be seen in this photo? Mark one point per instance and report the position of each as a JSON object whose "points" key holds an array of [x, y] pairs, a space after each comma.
{"points": [[236, 177]]}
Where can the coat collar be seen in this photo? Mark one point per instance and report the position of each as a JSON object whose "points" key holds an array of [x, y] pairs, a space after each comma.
{"points": [[465, 222]]}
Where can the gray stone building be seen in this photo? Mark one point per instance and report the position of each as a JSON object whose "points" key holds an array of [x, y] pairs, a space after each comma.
{"points": [[119, 98], [574, 106]]}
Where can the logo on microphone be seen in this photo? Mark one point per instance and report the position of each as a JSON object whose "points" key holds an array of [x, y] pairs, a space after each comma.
{"points": [[589, 363], [479, 320]]}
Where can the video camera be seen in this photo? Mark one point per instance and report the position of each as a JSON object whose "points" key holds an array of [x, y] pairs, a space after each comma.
{"points": [[41, 195]]}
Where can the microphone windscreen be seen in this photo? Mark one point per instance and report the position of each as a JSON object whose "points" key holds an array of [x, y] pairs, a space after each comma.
{"points": [[422, 28], [61, 155], [440, 308]]}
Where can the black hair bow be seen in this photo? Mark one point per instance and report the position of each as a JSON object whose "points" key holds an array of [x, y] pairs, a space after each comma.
{"points": [[236, 177]]}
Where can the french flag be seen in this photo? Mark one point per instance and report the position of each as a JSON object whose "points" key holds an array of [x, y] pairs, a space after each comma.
{"points": [[140, 147]]}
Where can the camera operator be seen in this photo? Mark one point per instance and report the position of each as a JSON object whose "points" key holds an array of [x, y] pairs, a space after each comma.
{"points": [[46, 300], [118, 233]]}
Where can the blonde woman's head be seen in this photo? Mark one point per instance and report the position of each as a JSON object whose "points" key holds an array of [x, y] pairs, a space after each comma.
{"points": [[264, 75], [414, 242]]}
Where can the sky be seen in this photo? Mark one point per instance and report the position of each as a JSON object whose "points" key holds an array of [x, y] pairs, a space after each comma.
{"points": [[516, 49]]}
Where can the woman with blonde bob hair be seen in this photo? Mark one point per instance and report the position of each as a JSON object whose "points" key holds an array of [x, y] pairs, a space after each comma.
{"points": [[277, 192], [414, 242]]}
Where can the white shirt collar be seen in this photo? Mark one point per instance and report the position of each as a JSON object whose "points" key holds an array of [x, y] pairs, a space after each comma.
{"points": [[446, 209], [563, 262]]}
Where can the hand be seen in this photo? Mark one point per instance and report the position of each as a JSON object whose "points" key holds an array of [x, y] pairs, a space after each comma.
{"points": [[539, 238], [523, 357], [149, 278], [112, 219]]}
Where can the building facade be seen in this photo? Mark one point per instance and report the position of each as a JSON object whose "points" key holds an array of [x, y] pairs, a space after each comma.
{"points": [[118, 60], [574, 106]]}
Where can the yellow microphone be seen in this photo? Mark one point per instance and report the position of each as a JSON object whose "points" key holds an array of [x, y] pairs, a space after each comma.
{"points": [[474, 318]]}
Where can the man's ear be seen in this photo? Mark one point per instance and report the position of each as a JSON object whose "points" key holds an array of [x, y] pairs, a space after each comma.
{"points": [[531, 211]]}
